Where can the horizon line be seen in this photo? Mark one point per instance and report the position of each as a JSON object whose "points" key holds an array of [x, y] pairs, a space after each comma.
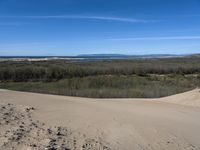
{"points": [[79, 55]]}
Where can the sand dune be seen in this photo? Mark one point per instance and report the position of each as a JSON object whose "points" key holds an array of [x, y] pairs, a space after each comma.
{"points": [[170, 123], [191, 98]]}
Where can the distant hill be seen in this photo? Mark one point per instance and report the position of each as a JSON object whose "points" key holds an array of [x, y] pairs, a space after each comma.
{"points": [[195, 55], [127, 56]]}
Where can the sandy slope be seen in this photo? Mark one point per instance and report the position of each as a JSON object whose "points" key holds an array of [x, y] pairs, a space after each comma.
{"points": [[121, 124], [191, 98]]}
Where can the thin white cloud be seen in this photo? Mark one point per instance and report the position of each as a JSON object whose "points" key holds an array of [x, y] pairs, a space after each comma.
{"points": [[158, 38], [103, 18]]}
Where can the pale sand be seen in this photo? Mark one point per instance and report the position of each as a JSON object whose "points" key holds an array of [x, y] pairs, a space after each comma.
{"points": [[170, 123]]}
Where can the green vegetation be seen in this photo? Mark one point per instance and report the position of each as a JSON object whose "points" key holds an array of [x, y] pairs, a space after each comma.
{"points": [[111, 86], [104, 79]]}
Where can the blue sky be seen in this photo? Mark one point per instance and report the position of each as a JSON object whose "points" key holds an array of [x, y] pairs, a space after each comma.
{"points": [[71, 27]]}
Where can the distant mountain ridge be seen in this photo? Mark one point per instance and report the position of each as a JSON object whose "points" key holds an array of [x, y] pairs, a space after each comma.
{"points": [[127, 56]]}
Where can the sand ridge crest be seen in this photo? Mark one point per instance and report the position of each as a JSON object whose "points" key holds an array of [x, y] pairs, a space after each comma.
{"points": [[190, 98]]}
